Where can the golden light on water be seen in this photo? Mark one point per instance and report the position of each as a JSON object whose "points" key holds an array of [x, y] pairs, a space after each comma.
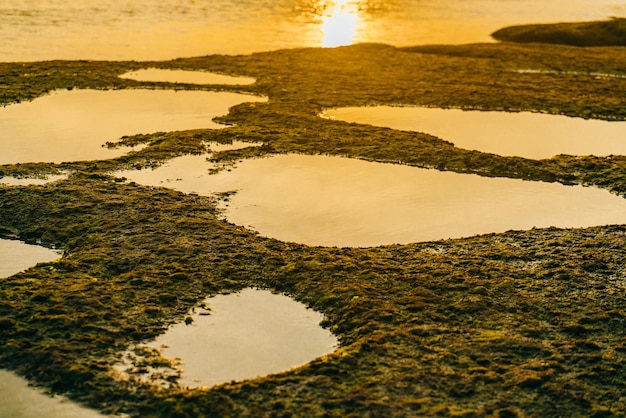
{"points": [[340, 26]]}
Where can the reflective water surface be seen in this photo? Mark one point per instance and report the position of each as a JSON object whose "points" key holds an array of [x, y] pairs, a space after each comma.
{"points": [[523, 134], [18, 400], [73, 125], [246, 335], [320, 200], [164, 29], [16, 256], [182, 76], [14, 181]]}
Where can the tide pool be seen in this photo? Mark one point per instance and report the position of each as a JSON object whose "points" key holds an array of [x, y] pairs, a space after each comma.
{"points": [[522, 134], [331, 201], [75, 125]]}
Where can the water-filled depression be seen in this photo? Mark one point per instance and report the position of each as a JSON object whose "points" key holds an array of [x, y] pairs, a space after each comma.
{"points": [[522, 134], [244, 335], [74, 125], [321, 200]]}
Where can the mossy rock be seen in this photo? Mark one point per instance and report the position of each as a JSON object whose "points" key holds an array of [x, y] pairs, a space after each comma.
{"points": [[600, 33]]}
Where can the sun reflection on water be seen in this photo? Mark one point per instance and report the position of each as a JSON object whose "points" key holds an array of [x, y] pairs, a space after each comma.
{"points": [[340, 25]]}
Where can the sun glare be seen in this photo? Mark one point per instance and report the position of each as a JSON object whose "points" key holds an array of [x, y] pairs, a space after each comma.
{"points": [[340, 27]]}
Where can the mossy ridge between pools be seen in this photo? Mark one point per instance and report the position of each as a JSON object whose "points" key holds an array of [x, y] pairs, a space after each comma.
{"points": [[474, 325], [24, 81], [302, 82], [282, 132]]}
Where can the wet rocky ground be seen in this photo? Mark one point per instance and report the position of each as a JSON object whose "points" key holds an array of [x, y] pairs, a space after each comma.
{"points": [[524, 323], [610, 32]]}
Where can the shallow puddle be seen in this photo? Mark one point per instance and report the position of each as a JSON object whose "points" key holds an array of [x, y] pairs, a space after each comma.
{"points": [[331, 201], [188, 77], [14, 181], [235, 145], [16, 256], [246, 335], [18, 400], [74, 125], [523, 134]]}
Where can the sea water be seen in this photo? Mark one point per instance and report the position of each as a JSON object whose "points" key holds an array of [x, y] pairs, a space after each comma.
{"points": [[163, 29]]}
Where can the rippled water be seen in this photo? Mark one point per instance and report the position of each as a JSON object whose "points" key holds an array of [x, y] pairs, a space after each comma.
{"points": [[164, 29]]}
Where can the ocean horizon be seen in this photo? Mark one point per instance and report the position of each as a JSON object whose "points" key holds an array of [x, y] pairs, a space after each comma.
{"points": [[39, 30]]}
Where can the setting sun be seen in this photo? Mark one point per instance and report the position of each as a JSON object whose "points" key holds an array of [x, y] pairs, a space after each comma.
{"points": [[340, 27]]}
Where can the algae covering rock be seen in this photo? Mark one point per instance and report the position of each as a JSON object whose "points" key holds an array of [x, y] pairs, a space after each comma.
{"points": [[527, 323], [602, 33]]}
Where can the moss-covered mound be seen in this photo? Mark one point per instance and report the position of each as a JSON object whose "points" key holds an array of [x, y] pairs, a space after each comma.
{"points": [[601, 33]]}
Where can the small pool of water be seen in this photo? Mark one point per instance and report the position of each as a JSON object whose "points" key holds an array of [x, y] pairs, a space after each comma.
{"points": [[188, 77], [16, 256], [235, 145], [74, 125], [245, 335], [18, 400], [331, 201], [14, 181], [523, 134]]}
